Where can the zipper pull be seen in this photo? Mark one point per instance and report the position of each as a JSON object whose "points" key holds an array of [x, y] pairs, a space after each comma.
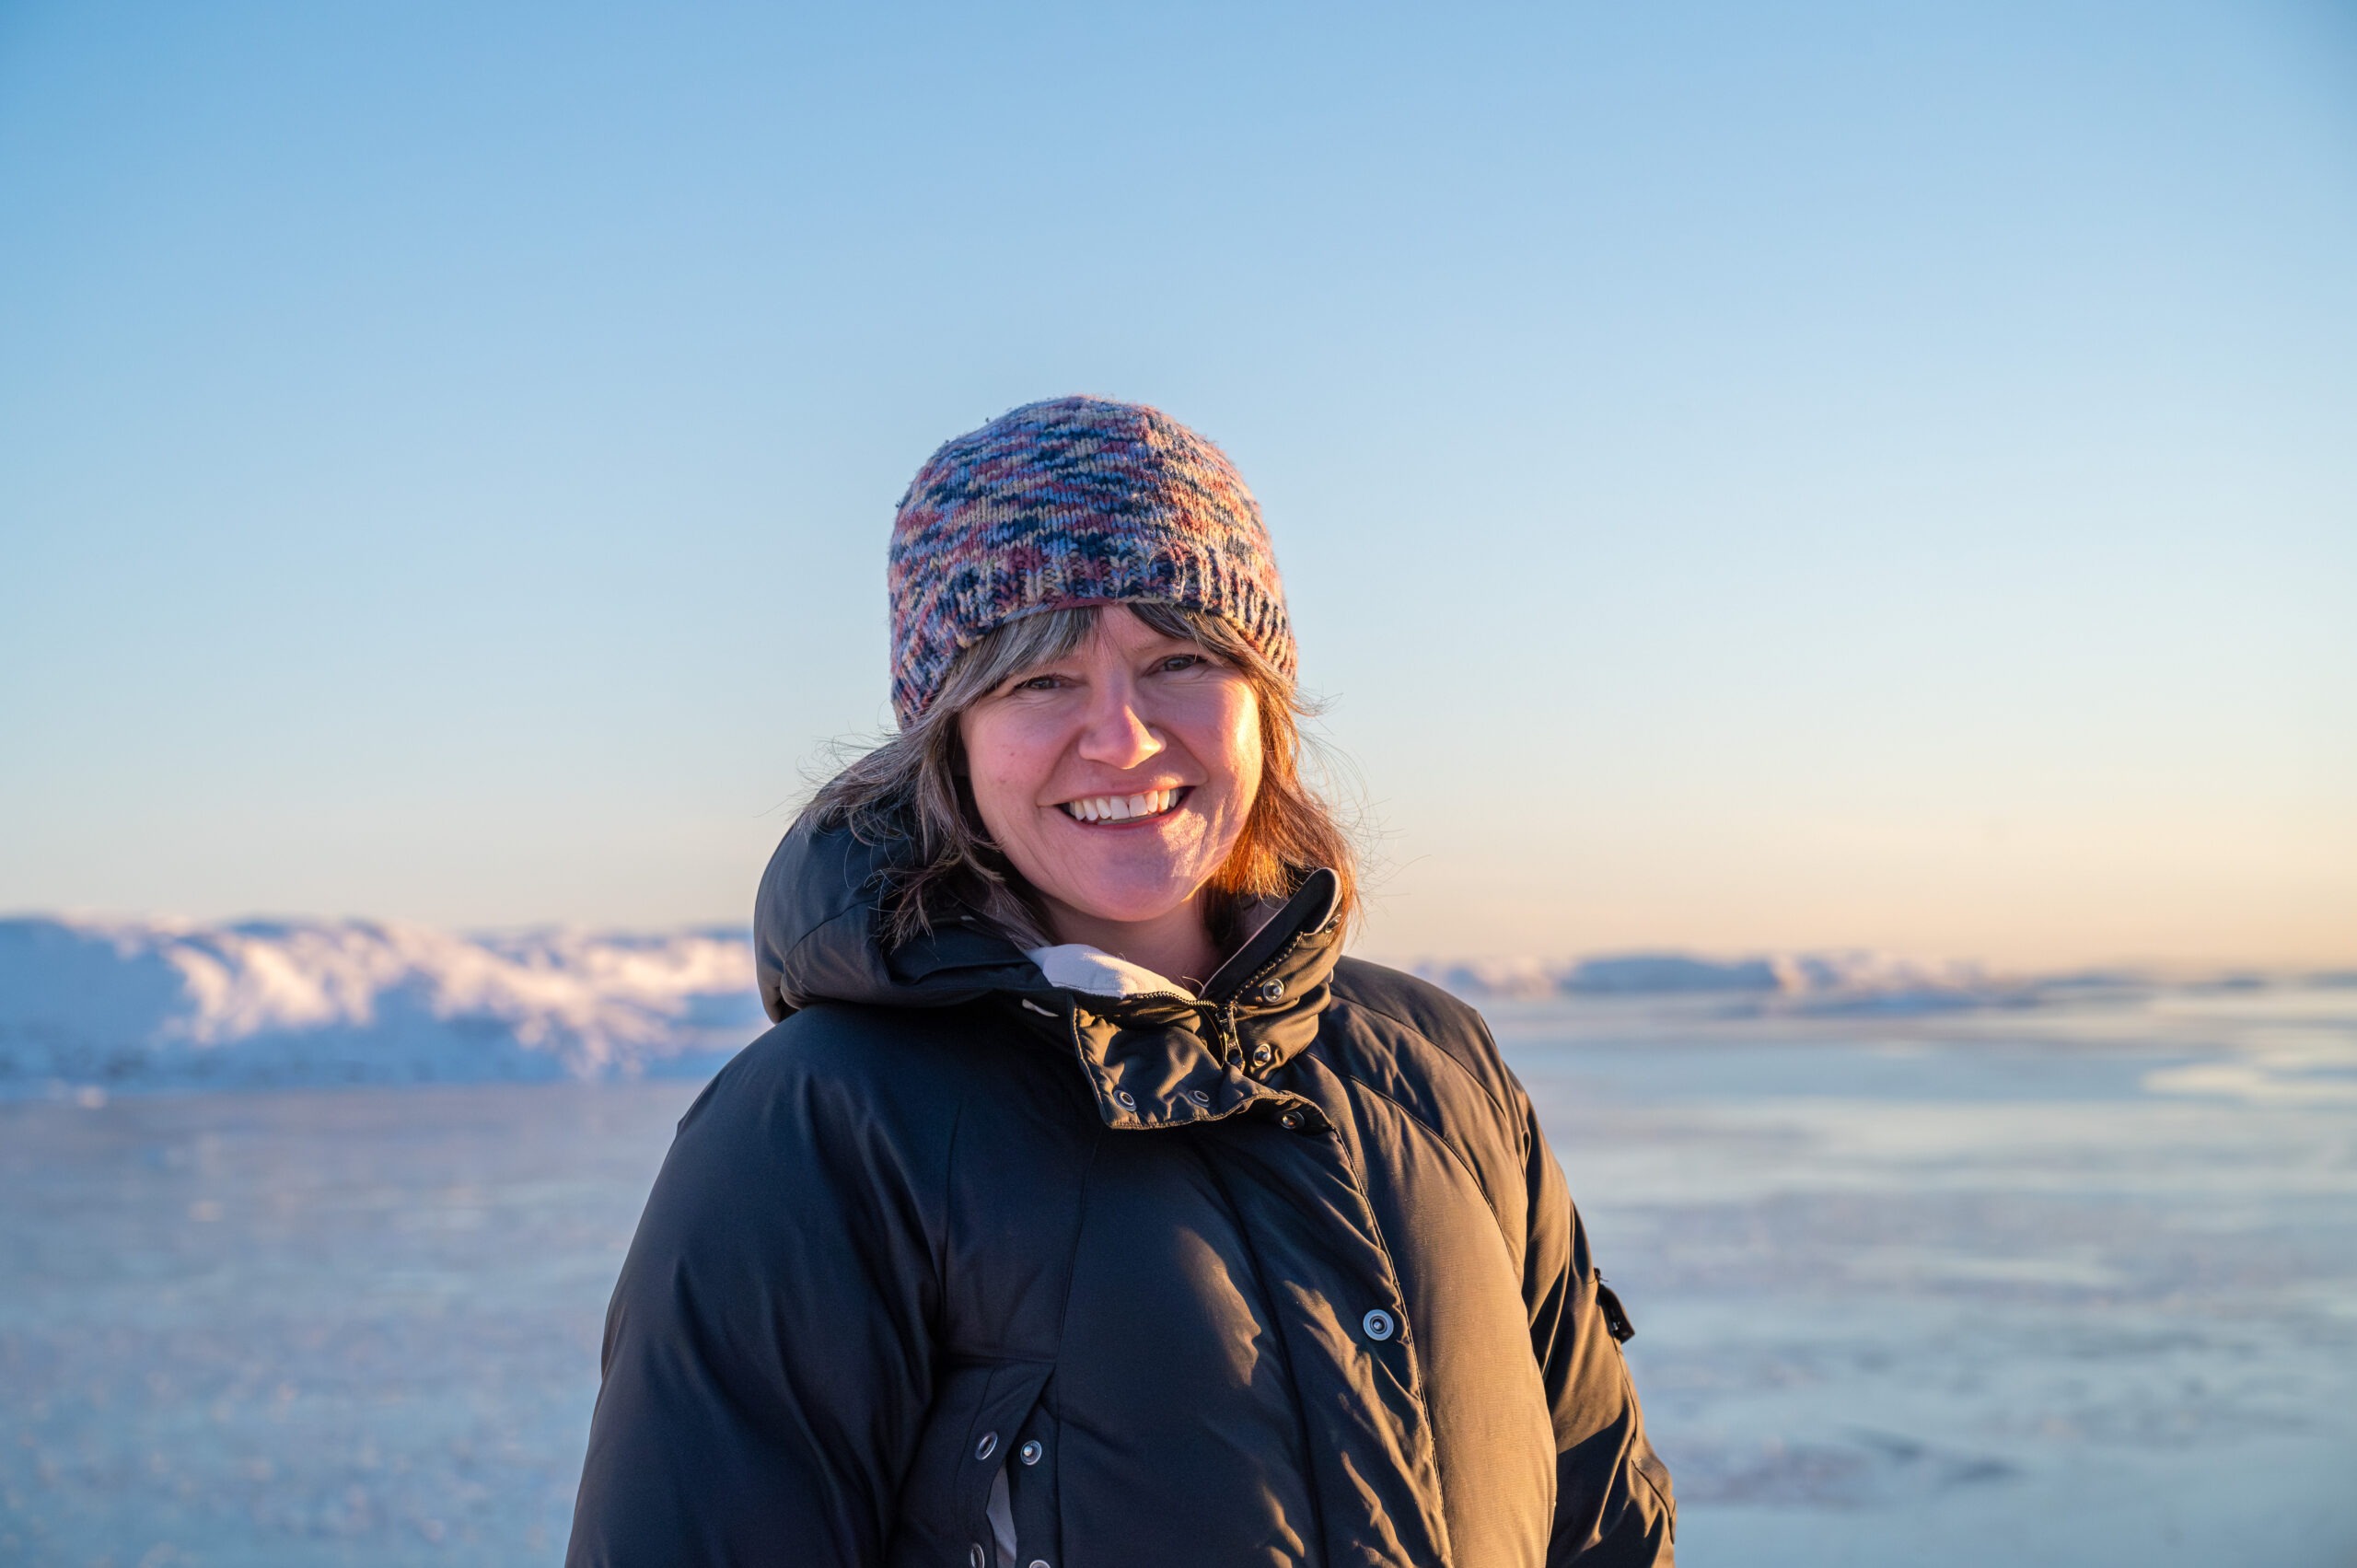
{"points": [[1230, 1050]]}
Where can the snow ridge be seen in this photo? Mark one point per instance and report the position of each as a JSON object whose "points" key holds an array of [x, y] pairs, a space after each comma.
{"points": [[1846, 981], [169, 1004], [148, 1003]]}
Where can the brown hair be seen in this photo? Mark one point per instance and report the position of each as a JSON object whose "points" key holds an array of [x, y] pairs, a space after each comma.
{"points": [[910, 793]]}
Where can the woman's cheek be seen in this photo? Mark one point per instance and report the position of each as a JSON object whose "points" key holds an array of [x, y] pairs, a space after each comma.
{"points": [[1244, 756]]}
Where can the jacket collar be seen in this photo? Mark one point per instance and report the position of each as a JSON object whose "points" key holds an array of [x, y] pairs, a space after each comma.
{"points": [[1165, 1060]]}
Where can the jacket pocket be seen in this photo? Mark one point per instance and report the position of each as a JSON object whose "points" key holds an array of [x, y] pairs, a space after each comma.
{"points": [[975, 1430]]}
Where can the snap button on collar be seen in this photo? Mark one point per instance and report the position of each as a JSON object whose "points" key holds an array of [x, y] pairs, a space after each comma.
{"points": [[1198, 1097], [1129, 1101], [1271, 989], [987, 1447], [1378, 1324]]}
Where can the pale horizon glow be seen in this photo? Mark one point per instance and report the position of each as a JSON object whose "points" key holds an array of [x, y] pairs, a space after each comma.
{"points": [[1746, 482]]}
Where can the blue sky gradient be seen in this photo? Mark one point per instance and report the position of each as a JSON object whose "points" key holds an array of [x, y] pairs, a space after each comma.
{"points": [[1877, 475]]}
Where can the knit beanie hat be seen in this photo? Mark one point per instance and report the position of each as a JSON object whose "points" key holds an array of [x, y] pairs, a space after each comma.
{"points": [[1075, 501]]}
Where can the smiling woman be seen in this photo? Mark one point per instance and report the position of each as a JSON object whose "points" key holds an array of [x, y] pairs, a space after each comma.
{"points": [[1117, 778], [1142, 763], [1086, 1205]]}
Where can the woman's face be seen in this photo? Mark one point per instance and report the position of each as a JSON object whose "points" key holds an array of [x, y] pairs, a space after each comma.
{"points": [[1118, 777]]}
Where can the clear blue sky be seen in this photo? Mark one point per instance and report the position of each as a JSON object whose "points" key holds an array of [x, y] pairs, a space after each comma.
{"points": [[1746, 476]]}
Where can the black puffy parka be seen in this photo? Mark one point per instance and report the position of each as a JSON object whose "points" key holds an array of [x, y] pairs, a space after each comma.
{"points": [[1280, 1274]]}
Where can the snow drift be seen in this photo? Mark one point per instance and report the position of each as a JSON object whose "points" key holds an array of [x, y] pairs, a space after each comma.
{"points": [[162, 1003], [1843, 981]]}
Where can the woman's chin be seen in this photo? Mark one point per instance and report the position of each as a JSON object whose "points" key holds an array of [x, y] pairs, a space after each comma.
{"points": [[1124, 901], [1132, 879]]}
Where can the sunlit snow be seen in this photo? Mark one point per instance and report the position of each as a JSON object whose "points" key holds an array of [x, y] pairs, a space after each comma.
{"points": [[160, 1003]]}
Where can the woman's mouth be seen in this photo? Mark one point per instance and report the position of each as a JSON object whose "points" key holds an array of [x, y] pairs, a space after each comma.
{"points": [[1125, 808]]}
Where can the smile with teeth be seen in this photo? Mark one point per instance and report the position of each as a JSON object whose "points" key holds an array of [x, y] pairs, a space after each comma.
{"points": [[1123, 807]]}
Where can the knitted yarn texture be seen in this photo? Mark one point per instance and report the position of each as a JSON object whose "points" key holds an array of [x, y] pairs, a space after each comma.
{"points": [[1073, 501]]}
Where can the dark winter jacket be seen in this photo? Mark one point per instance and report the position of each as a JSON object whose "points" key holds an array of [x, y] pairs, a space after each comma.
{"points": [[1283, 1275]]}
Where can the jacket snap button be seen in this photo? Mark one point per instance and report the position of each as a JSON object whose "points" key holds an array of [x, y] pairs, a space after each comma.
{"points": [[1271, 989], [1029, 1453], [987, 1447], [1262, 1055], [1129, 1101], [1290, 1122], [977, 1556], [1198, 1097], [1377, 1324], [1039, 1562]]}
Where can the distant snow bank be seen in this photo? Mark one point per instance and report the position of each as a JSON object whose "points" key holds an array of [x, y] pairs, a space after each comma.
{"points": [[1849, 982], [163, 1004], [91, 1005]]}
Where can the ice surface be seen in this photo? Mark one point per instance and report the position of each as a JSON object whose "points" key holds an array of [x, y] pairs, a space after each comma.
{"points": [[2072, 1283]]}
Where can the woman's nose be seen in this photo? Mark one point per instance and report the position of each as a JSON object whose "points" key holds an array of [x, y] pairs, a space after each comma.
{"points": [[1116, 734]]}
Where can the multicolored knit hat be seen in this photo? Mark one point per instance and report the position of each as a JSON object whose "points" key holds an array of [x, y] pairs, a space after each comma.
{"points": [[1075, 501]]}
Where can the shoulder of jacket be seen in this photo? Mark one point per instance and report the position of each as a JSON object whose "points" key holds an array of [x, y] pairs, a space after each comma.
{"points": [[1448, 1024], [886, 1055], [1417, 1002]]}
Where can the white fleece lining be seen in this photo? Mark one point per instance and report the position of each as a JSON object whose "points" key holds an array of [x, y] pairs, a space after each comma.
{"points": [[1076, 966]]}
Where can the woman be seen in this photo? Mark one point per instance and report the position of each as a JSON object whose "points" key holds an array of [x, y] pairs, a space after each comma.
{"points": [[1085, 1207]]}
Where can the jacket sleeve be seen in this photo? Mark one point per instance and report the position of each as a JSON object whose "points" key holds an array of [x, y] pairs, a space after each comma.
{"points": [[767, 1364], [1613, 1504]]}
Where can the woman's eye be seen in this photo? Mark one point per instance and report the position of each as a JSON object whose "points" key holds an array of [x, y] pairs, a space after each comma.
{"points": [[1035, 683], [1180, 661]]}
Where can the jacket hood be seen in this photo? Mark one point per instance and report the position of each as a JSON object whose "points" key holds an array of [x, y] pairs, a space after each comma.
{"points": [[818, 936], [1153, 1059]]}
